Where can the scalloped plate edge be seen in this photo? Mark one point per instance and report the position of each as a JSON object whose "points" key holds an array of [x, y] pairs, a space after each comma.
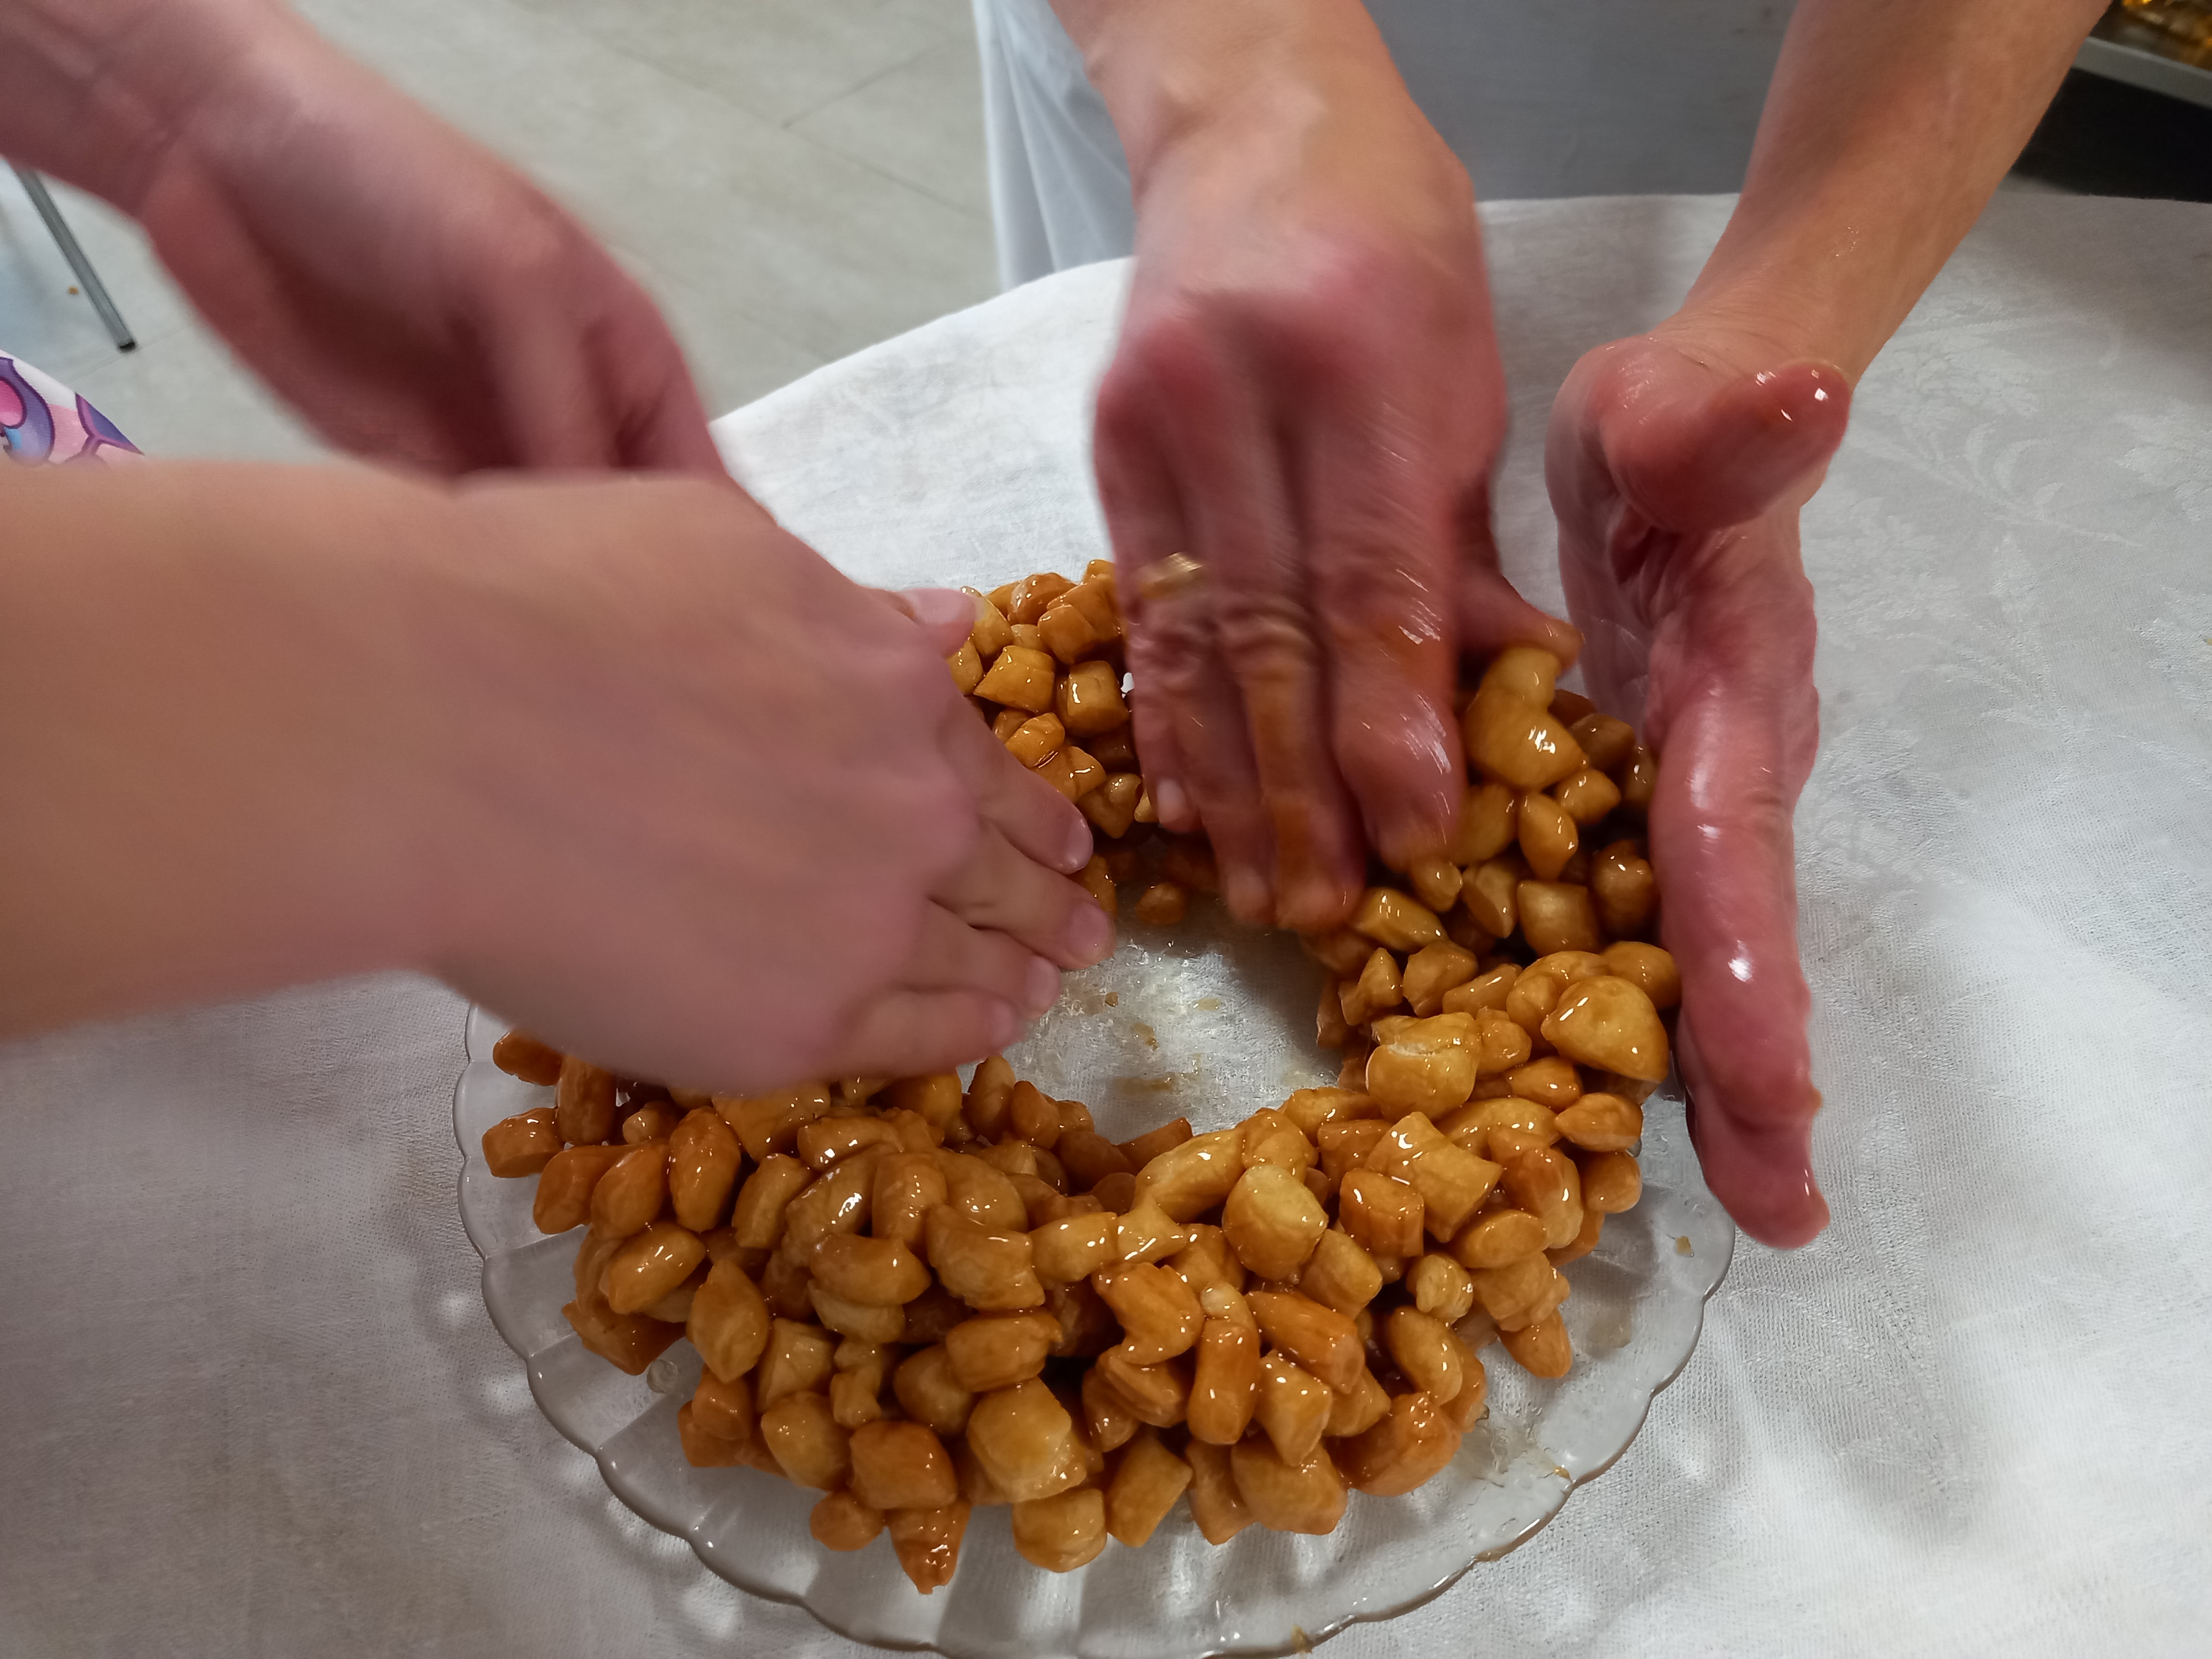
{"points": [[1302, 1641]]}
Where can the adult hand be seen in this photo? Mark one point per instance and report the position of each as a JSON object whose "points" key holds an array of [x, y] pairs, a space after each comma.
{"points": [[620, 758], [1306, 399], [412, 294], [1677, 464]]}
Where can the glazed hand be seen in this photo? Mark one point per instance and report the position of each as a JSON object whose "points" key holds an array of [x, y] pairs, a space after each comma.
{"points": [[413, 296], [1677, 464], [1306, 399]]}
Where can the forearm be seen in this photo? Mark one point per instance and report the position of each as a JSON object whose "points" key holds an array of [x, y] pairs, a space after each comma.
{"points": [[94, 91], [1888, 125], [1168, 68], [207, 710]]}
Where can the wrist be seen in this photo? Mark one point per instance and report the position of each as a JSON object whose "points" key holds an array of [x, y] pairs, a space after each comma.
{"points": [[409, 699], [1886, 129], [1749, 333], [1176, 77], [99, 92], [344, 625], [1762, 309]]}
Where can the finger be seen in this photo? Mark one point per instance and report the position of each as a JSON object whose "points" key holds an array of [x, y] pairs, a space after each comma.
{"points": [[660, 422], [999, 888], [584, 370], [1705, 456], [665, 428], [946, 615], [1152, 731], [1380, 507], [1491, 615], [1035, 818], [1735, 730], [1265, 654], [948, 955], [909, 1033], [1761, 1170], [552, 414], [1190, 407], [1143, 520], [1200, 704]]}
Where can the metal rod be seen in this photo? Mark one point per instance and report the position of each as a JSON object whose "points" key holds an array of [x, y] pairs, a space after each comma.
{"points": [[88, 278]]}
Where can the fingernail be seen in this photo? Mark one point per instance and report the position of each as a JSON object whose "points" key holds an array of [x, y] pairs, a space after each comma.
{"points": [[1247, 894], [940, 607], [1041, 988], [1005, 1025], [1310, 905], [1173, 804], [1089, 934], [1080, 845], [1422, 828]]}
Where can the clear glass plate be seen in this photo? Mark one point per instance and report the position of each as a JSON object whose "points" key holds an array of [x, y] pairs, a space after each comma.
{"points": [[1211, 1022]]}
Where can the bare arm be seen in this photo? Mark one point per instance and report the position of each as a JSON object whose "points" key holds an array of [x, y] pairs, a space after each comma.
{"points": [[1167, 69], [561, 743], [1889, 125], [207, 721]]}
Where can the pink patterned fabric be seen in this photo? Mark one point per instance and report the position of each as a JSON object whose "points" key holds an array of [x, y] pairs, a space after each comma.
{"points": [[42, 420]]}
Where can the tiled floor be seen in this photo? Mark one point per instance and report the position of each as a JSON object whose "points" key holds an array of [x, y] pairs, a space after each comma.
{"points": [[791, 179]]}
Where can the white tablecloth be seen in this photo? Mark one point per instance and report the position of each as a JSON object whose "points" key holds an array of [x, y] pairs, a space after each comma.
{"points": [[255, 1406]]}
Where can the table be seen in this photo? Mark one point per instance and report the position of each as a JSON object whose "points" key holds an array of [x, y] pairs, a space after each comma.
{"points": [[257, 1407]]}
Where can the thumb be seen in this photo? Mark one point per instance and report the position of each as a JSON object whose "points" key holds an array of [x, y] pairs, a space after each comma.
{"points": [[946, 615], [1692, 455]]}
